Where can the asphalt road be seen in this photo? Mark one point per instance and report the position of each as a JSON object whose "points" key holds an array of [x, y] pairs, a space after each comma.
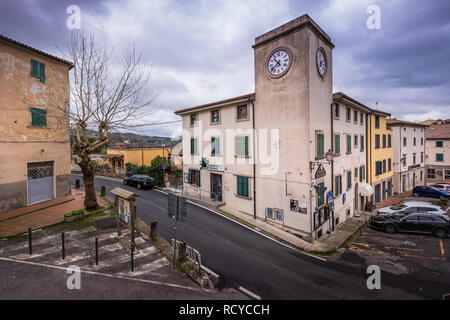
{"points": [[267, 268]]}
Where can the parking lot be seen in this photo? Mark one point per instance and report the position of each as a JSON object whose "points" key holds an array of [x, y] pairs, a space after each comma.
{"points": [[399, 253]]}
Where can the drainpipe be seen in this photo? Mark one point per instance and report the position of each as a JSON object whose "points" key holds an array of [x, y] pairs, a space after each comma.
{"points": [[332, 167], [400, 164], [254, 158]]}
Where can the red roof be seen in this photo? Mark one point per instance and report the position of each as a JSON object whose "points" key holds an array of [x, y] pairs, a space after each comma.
{"points": [[438, 131], [19, 44]]}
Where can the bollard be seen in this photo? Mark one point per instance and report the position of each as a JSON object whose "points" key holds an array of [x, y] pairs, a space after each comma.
{"points": [[103, 191], [63, 247], [154, 230], [30, 245], [96, 251], [77, 184], [132, 257], [181, 252]]}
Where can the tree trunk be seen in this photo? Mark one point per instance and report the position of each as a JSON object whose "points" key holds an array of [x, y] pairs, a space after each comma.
{"points": [[90, 199]]}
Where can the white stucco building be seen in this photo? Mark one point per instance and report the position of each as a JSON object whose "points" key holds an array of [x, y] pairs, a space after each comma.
{"points": [[438, 153], [409, 154]]}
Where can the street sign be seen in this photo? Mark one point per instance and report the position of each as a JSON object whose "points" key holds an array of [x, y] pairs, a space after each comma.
{"points": [[330, 197], [164, 166], [320, 173]]}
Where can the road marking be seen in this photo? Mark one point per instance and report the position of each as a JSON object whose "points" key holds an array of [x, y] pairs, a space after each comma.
{"points": [[252, 229], [172, 285], [148, 267], [210, 271], [251, 294], [442, 249], [409, 249], [247, 227]]}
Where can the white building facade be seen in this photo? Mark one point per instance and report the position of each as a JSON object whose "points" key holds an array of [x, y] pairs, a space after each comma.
{"points": [[409, 154], [349, 146]]}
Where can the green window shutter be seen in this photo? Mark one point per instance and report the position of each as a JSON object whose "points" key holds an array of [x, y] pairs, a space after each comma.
{"points": [[190, 177], [34, 68], [336, 186], [246, 145], [349, 144], [213, 146], [349, 180], [240, 146], [242, 186], [38, 117], [192, 146], [321, 198], [42, 72], [199, 175], [320, 145], [337, 144]]}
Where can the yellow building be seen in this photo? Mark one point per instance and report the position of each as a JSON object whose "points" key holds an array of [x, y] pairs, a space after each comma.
{"points": [[34, 127], [137, 156], [380, 155]]}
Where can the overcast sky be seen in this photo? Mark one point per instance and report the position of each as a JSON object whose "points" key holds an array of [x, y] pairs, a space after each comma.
{"points": [[201, 49]]}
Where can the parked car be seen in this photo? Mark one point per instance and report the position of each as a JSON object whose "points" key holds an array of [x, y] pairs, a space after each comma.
{"points": [[442, 186], [413, 223], [426, 191], [408, 207], [140, 182]]}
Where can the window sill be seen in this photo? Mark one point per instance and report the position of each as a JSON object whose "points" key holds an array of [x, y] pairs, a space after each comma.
{"points": [[242, 157], [215, 123], [242, 120], [320, 158], [38, 127], [242, 197]]}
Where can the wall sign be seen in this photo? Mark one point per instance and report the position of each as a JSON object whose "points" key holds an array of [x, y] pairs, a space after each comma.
{"points": [[320, 173], [300, 207]]}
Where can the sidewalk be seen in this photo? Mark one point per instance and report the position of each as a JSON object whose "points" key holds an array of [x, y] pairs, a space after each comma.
{"points": [[41, 215]]}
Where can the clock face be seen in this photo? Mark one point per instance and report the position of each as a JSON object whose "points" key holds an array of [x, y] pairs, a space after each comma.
{"points": [[279, 63], [321, 63]]}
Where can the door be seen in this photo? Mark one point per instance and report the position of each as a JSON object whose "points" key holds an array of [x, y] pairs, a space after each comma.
{"points": [[216, 187], [409, 223], [40, 181], [414, 180], [384, 190], [378, 193], [403, 184]]}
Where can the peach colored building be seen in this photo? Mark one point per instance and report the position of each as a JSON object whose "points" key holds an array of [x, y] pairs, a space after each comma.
{"points": [[34, 125]]}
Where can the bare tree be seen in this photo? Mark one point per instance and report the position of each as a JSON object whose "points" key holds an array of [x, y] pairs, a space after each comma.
{"points": [[104, 100]]}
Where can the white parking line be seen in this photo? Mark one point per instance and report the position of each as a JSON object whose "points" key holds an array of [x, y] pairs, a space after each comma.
{"points": [[251, 294]]}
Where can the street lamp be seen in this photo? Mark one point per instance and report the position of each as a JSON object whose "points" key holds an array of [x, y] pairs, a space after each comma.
{"points": [[329, 157]]}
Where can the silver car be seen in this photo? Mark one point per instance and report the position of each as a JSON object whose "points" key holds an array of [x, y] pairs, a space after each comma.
{"points": [[408, 207]]}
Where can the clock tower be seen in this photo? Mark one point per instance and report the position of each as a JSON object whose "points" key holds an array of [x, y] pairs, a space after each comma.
{"points": [[293, 91]]}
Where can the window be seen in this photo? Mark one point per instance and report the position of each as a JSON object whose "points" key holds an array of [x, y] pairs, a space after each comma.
{"points": [[377, 122], [337, 144], [362, 118], [215, 118], [404, 142], [384, 166], [447, 174], [38, 70], [336, 110], [242, 186], [356, 141], [242, 113], [378, 168], [377, 141], [193, 119], [362, 173], [355, 117], [38, 117], [421, 175], [389, 141], [384, 141], [242, 146], [349, 115], [404, 159], [349, 179], [194, 146], [321, 198], [362, 143], [414, 141], [215, 146], [439, 157], [349, 144], [431, 173], [320, 145], [421, 141], [439, 144], [356, 173], [337, 185], [389, 165], [414, 158], [421, 157], [194, 177]]}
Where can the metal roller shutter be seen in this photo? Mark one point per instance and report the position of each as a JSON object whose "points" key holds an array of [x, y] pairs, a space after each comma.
{"points": [[40, 181]]}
